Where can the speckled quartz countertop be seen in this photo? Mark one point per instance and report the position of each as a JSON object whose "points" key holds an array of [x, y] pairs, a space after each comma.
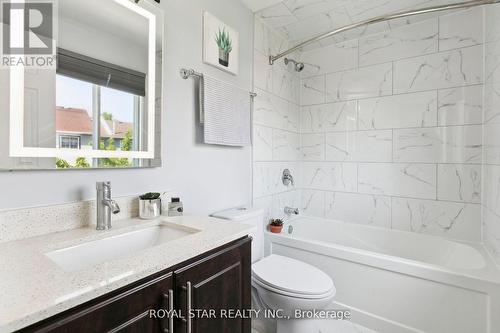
{"points": [[33, 287]]}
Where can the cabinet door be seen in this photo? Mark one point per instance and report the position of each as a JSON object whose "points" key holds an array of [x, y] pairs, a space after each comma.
{"points": [[125, 312], [217, 283]]}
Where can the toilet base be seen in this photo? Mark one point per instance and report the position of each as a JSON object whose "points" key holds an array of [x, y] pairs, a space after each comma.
{"points": [[297, 326]]}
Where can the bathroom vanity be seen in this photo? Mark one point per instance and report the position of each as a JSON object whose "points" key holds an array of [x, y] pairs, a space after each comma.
{"points": [[218, 279], [204, 265]]}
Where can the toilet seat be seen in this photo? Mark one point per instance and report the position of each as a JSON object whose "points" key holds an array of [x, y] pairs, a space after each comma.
{"points": [[293, 278], [256, 282]]}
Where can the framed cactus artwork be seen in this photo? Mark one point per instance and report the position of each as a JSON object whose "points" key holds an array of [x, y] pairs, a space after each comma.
{"points": [[220, 44]]}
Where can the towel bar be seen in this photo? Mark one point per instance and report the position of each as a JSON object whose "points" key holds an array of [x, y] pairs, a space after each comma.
{"points": [[187, 73]]}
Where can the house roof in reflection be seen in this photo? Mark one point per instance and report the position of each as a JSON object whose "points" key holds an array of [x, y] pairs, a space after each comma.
{"points": [[78, 121]]}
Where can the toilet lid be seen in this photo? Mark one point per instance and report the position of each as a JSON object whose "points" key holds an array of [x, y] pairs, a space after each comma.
{"points": [[292, 276]]}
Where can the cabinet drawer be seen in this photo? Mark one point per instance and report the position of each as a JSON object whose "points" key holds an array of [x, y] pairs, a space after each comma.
{"points": [[127, 311]]}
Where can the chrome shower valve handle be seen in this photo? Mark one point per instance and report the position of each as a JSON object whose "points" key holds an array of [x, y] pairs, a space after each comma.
{"points": [[287, 178]]}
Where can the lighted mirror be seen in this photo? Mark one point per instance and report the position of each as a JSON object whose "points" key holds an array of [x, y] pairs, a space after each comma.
{"points": [[100, 107]]}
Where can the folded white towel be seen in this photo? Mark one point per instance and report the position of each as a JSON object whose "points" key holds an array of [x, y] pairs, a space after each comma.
{"points": [[227, 113]]}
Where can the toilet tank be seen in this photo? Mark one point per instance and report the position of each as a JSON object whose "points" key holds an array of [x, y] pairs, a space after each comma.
{"points": [[251, 216]]}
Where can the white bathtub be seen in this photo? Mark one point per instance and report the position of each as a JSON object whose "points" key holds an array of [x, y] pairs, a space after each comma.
{"points": [[396, 281]]}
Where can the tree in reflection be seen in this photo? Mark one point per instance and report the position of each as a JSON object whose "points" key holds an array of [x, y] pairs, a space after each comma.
{"points": [[109, 145]]}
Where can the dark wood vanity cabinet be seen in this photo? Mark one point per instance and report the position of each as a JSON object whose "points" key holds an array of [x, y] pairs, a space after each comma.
{"points": [[217, 282], [212, 288]]}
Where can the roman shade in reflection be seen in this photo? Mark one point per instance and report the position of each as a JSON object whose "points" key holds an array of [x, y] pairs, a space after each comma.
{"points": [[100, 72]]}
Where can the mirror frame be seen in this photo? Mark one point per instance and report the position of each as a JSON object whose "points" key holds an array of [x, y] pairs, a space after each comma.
{"points": [[16, 142]]}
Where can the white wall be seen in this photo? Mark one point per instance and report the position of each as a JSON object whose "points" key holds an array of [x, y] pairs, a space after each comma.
{"points": [[207, 178], [103, 45]]}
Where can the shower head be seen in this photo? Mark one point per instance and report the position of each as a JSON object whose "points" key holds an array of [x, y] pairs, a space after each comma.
{"points": [[298, 66]]}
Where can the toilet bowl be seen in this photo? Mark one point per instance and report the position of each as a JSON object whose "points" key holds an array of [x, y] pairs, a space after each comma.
{"points": [[286, 287], [293, 287]]}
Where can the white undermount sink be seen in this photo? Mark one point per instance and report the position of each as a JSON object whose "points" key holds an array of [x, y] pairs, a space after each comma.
{"points": [[91, 253]]}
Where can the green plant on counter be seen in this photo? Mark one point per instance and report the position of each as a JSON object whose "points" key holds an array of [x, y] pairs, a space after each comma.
{"points": [[150, 196], [276, 222]]}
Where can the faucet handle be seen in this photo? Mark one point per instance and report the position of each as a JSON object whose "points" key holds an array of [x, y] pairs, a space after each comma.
{"points": [[287, 178]]}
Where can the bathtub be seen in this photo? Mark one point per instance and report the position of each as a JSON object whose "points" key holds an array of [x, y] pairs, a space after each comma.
{"points": [[395, 281]]}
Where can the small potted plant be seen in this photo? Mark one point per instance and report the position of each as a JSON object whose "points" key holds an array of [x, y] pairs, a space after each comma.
{"points": [[149, 206], [225, 45], [276, 225]]}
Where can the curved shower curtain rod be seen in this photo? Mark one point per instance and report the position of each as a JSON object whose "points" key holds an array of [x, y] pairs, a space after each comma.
{"points": [[382, 18]]}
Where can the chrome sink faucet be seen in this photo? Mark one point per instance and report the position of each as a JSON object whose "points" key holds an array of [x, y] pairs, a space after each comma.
{"points": [[105, 205]]}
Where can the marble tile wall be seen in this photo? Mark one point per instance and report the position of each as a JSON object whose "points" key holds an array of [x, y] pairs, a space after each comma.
{"points": [[301, 19], [491, 151], [392, 125], [276, 122]]}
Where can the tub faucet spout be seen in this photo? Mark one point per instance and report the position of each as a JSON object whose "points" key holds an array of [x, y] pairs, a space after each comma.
{"points": [[291, 211]]}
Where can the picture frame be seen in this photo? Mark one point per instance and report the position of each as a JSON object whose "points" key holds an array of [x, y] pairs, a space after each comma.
{"points": [[220, 44]]}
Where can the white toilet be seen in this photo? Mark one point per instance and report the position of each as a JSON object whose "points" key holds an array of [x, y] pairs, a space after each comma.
{"points": [[283, 283]]}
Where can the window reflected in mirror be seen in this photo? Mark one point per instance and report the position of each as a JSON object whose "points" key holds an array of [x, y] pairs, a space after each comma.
{"points": [[100, 106], [90, 116]]}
